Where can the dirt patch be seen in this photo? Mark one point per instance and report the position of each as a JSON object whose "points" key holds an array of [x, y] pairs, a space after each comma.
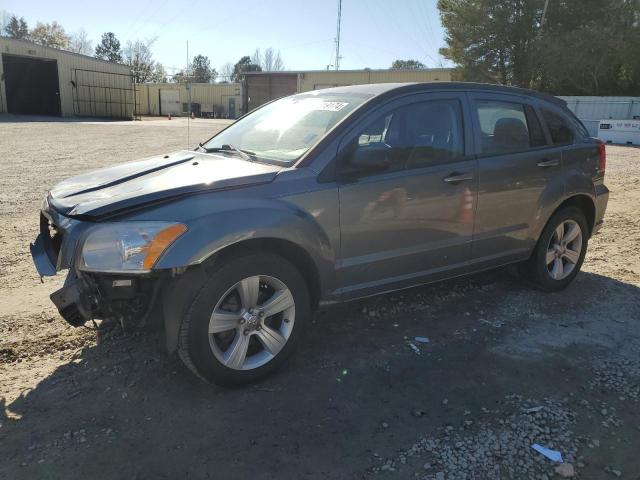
{"points": [[360, 399]]}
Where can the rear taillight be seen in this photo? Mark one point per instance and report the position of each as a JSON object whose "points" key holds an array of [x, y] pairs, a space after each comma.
{"points": [[602, 161]]}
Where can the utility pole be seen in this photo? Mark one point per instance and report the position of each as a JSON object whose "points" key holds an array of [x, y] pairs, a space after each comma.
{"points": [[338, 35], [544, 14]]}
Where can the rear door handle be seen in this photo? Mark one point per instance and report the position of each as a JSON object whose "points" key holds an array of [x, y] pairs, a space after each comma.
{"points": [[549, 163], [457, 177]]}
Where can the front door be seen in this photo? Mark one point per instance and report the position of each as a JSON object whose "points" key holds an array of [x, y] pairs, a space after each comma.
{"points": [[411, 216], [516, 169]]}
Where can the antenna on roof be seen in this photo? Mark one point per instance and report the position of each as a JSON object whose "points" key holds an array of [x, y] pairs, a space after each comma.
{"points": [[189, 109], [338, 57]]}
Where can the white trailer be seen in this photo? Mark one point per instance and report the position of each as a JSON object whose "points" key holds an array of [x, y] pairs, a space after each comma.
{"points": [[619, 131]]}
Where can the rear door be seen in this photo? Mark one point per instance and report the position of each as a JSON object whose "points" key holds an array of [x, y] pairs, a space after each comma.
{"points": [[414, 219], [518, 173]]}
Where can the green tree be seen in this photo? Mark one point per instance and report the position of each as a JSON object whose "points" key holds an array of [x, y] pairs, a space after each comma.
{"points": [[590, 47], [201, 70], [17, 28], [491, 40], [584, 47], [244, 65], [50, 35], [109, 48], [407, 65]]}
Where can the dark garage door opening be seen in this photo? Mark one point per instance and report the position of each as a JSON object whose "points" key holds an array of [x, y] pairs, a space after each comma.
{"points": [[31, 85]]}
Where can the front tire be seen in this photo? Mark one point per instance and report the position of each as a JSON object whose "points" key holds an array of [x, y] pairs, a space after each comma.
{"points": [[246, 320], [560, 251]]}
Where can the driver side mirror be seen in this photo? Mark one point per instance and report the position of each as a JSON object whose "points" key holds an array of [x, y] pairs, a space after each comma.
{"points": [[367, 159]]}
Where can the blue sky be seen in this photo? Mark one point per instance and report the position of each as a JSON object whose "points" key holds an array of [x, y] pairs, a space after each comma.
{"points": [[374, 32]]}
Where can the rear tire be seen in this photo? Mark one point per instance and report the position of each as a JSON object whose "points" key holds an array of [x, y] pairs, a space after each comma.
{"points": [[246, 320], [560, 251]]}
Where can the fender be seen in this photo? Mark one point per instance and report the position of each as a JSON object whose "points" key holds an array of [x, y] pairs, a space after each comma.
{"points": [[209, 234], [256, 219]]}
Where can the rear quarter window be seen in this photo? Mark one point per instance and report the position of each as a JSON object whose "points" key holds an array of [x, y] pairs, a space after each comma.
{"points": [[561, 130]]}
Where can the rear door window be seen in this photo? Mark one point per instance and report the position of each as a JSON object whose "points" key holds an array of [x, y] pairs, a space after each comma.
{"points": [[560, 130], [508, 127]]}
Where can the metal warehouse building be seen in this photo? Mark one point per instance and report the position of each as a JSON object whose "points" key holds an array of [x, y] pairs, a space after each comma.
{"points": [[262, 87], [39, 80], [220, 100]]}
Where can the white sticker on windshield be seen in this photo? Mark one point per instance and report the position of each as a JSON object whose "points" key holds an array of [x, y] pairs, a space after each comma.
{"points": [[332, 106]]}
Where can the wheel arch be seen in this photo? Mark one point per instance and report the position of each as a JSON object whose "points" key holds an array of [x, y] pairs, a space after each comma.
{"points": [[291, 251], [585, 203], [181, 292]]}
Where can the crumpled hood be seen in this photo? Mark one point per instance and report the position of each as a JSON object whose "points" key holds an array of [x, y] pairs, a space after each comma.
{"points": [[118, 188]]}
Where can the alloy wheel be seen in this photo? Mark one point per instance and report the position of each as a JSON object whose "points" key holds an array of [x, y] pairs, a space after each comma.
{"points": [[252, 322], [565, 247]]}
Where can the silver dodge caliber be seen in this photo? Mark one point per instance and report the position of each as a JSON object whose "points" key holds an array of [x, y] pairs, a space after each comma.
{"points": [[323, 197]]}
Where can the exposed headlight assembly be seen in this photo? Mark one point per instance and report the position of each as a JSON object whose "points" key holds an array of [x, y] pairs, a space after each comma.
{"points": [[122, 247]]}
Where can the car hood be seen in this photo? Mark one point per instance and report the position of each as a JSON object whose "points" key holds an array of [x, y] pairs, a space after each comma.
{"points": [[114, 189]]}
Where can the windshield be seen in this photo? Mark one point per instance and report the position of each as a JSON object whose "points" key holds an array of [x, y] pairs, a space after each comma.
{"points": [[284, 130]]}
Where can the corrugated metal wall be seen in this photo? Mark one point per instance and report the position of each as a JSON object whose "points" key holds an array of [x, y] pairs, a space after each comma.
{"points": [[332, 78], [88, 86], [261, 87], [264, 88], [212, 97], [590, 110]]}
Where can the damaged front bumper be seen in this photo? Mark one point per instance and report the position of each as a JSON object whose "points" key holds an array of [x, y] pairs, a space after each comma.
{"points": [[86, 296], [109, 297], [74, 301], [71, 299]]}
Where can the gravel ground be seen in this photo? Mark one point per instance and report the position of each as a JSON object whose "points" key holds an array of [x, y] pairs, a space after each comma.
{"points": [[505, 366]]}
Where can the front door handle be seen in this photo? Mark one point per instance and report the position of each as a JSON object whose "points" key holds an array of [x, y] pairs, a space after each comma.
{"points": [[457, 177], [549, 163]]}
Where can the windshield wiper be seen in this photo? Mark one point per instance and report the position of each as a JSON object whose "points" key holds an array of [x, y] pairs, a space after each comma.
{"points": [[246, 154]]}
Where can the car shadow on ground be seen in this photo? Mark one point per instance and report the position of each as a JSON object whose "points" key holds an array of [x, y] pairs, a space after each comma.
{"points": [[349, 392]]}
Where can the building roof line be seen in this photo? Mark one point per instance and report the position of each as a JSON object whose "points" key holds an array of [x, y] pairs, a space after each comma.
{"points": [[29, 42], [284, 72]]}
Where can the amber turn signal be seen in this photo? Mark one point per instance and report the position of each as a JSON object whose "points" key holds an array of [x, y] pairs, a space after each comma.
{"points": [[162, 241]]}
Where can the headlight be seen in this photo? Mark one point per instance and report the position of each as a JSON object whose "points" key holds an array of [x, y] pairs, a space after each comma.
{"points": [[127, 246]]}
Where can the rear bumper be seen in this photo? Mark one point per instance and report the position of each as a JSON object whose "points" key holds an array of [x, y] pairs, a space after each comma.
{"points": [[601, 200]]}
